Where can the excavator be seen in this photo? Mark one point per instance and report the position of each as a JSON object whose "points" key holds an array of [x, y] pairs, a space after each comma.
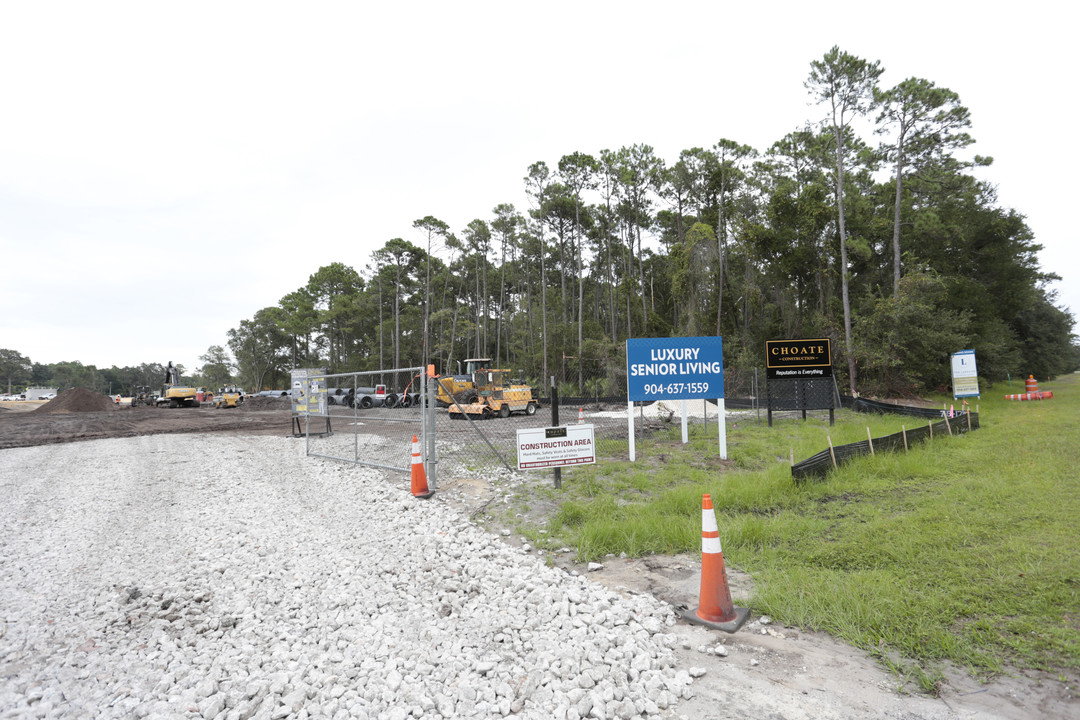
{"points": [[173, 393]]}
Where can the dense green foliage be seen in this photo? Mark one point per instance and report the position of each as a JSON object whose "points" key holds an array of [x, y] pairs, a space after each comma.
{"points": [[723, 240]]}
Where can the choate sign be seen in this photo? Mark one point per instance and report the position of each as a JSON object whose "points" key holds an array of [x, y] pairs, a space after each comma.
{"points": [[798, 358], [555, 447]]}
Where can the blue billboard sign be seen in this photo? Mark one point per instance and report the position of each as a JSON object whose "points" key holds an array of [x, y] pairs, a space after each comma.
{"points": [[680, 368]]}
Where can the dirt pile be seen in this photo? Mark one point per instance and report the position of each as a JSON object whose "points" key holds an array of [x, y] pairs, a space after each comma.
{"points": [[77, 400], [262, 402]]}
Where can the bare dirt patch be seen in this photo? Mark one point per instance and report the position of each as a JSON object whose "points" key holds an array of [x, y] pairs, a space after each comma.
{"points": [[79, 416]]}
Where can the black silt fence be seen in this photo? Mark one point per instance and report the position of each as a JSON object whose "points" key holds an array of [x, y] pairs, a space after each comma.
{"points": [[881, 408], [818, 466]]}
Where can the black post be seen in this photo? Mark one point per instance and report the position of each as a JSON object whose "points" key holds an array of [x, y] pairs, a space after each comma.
{"points": [[555, 423]]}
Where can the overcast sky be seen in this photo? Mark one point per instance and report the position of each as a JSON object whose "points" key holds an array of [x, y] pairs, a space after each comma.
{"points": [[168, 169]]}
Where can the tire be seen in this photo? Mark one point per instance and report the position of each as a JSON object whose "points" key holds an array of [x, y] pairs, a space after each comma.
{"points": [[486, 415], [530, 409], [504, 411]]}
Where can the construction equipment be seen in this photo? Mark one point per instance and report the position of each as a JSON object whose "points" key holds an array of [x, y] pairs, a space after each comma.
{"points": [[142, 396], [462, 387], [497, 396], [228, 397], [173, 393]]}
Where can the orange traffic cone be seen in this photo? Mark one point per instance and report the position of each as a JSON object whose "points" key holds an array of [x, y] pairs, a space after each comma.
{"points": [[715, 608], [580, 415], [419, 478]]}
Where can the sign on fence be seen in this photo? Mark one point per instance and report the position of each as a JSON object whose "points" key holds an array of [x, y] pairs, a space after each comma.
{"points": [[555, 447], [965, 376]]}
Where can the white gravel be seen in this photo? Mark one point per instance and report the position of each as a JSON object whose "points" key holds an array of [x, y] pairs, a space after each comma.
{"points": [[178, 576]]}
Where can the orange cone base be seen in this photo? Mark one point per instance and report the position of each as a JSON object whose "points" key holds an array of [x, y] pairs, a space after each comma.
{"points": [[741, 613], [420, 489]]}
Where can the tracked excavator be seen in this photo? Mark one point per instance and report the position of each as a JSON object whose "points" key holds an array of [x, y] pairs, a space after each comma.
{"points": [[175, 394]]}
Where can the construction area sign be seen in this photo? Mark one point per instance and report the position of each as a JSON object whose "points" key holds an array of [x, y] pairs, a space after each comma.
{"points": [[679, 368], [555, 447], [798, 359], [965, 376]]}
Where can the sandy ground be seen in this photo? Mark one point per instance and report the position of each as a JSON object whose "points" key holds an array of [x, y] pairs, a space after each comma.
{"points": [[768, 671]]}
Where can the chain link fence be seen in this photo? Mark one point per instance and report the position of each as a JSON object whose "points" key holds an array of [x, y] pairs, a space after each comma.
{"points": [[373, 415]]}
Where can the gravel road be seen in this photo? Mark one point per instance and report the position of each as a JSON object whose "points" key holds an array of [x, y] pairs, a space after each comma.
{"points": [[231, 577]]}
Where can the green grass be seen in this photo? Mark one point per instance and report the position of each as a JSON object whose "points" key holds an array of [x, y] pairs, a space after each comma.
{"points": [[965, 550]]}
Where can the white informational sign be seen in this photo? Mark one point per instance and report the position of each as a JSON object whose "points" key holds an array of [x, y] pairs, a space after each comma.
{"points": [[555, 447], [965, 376]]}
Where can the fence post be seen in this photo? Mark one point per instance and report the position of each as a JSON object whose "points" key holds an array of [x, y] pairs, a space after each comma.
{"points": [[429, 408], [555, 423]]}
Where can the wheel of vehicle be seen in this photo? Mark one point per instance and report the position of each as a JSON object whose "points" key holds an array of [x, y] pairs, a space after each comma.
{"points": [[486, 415], [366, 402], [530, 409], [504, 411]]}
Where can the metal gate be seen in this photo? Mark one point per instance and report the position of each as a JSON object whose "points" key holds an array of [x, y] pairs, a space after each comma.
{"points": [[369, 418]]}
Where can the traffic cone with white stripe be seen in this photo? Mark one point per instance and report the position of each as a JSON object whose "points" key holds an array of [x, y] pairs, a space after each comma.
{"points": [[715, 608], [580, 415], [419, 477]]}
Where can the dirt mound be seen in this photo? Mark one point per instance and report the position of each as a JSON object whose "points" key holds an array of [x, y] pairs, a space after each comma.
{"points": [[77, 400], [262, 402]]}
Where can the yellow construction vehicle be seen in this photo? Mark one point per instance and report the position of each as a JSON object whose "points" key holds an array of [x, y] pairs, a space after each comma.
{"points": [[228, 397], [496, 396], [173, 393], [462, 387]]}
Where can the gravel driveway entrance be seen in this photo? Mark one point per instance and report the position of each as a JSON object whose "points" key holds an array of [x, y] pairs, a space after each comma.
{"points": [[228, 577]]}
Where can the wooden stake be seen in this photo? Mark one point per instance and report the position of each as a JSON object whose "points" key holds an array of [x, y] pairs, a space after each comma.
{"points": [[832, 453], [969, 420], [948, 426], [903, 431], [791, 449], [931, 424], [870, 439]]}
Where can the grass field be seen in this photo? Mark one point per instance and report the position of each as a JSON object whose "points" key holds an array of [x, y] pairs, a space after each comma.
{"points": [[966, 549]]}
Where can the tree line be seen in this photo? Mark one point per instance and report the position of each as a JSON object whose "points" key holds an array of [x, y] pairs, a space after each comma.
{"points": [[866, 227]]}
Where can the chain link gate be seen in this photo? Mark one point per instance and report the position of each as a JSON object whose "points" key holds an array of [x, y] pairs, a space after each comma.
{"points": [[371, 418]]}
